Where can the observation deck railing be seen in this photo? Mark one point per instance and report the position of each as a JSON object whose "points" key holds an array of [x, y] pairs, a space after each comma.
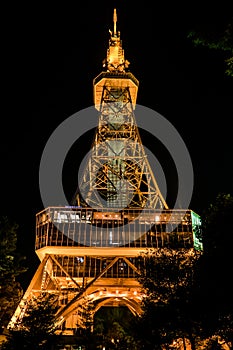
{"points": [[136, 228]]}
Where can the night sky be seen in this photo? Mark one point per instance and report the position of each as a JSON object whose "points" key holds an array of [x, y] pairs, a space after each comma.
{"points": [[51, 56]]}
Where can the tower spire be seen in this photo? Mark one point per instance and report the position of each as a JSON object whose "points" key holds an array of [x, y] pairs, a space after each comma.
{"points": [[115, 60], [114, 21]]}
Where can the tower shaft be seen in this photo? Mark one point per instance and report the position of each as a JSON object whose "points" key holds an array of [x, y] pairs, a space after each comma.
{"points": [[91, 253], [118, 173]]}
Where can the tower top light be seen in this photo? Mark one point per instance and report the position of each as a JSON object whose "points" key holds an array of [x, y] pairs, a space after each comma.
{"points": [[115, 72], [114, 21], [115, 61]]}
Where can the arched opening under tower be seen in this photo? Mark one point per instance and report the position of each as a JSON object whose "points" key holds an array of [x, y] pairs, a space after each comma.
{"points": [[114, 302], [114, 323], [79, 314]]}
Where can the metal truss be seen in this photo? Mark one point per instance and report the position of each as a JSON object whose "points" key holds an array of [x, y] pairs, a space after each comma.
{"points": [[117, 172], [56, 274]]}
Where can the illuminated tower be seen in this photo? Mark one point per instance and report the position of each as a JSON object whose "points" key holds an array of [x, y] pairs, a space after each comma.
{"points": [[90, 252]]}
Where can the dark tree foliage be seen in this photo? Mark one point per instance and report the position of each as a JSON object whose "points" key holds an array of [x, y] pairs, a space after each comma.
{"points": [[109, 326], [190, 296], [85, 330], [221, 40], [118, 338], [171, 306], [114, 324], [218, 266], [11, 266], [217, 226], [38, 325]]}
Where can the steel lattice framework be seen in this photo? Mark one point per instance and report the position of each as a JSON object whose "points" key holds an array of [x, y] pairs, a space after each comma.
{"points": [[118, 173], [90, 252]]}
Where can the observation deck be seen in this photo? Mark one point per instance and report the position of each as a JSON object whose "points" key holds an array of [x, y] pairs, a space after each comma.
{"points": [[111, 233]]}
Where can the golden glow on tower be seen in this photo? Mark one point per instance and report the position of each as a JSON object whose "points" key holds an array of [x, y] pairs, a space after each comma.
{"points": [[115, 60], [91, 251], [116, 74]]}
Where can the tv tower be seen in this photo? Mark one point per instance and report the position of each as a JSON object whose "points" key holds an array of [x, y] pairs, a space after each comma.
{"points": [[91, 251]]}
